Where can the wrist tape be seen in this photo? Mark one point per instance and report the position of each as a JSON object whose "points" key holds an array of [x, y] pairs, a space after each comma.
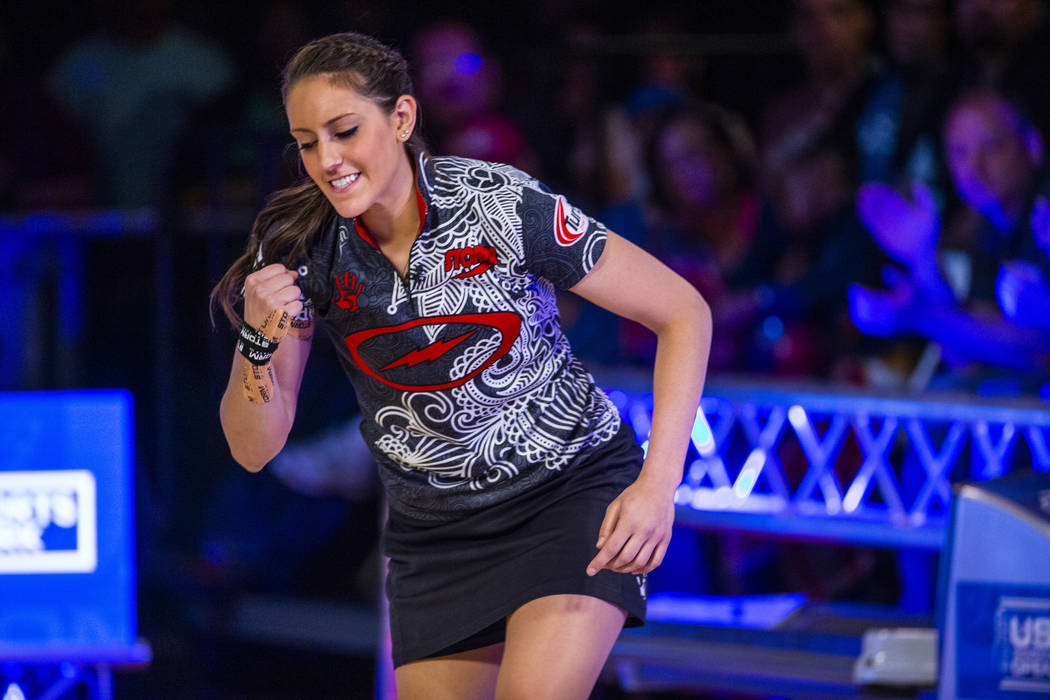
{"points": [[256, 347]]}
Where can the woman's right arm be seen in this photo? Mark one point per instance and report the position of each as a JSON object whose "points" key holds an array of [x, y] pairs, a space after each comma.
{"points": [[258, 406]]}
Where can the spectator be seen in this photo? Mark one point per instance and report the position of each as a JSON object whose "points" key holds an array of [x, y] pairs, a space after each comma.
{"points": [[995, 157], [1005, 47], [135, 86], [459, 85], [809, 248], [834, 39], [670, 74], [897, 132]]}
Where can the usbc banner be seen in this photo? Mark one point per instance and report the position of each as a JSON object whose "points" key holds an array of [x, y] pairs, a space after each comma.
{"points": [[1003, 641], [67, 568], [47, 522]]}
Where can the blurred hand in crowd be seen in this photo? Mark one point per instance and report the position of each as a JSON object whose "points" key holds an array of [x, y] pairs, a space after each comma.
{"points": [[884, 312], [907, 230], [1040, 223], [1024, 294]]}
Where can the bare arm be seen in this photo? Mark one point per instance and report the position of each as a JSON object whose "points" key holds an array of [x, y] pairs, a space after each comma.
{"points": [[987, 338], [258, 406], [633, 284]]}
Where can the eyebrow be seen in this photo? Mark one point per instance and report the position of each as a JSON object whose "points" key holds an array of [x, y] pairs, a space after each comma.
{"points": [[327, 123]]}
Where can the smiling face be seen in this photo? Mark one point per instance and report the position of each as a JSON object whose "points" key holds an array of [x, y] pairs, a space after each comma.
{"points": [[991, 155], [351, 147]]}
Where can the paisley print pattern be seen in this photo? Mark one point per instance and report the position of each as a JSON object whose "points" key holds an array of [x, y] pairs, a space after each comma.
{"points": [[450, 438]]}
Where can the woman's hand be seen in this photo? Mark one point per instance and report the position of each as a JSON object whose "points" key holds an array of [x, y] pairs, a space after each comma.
{"points": [[270, 289], [636, 530]]}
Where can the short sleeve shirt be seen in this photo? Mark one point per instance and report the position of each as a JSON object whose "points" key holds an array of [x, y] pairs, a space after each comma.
{"points": [[468, 389]]}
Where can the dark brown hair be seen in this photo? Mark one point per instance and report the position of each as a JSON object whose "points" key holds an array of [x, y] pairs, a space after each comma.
{"points": [[292, 216]]}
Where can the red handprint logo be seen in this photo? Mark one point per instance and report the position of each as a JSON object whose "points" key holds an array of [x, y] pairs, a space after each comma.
{"points": [[349, 290]]}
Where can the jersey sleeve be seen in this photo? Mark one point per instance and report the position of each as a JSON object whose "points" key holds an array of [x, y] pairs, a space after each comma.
{"points": [[561, 243]]}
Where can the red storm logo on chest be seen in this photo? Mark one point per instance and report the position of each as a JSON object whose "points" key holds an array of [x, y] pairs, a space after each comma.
{"points": [[476, 326], [472, 260]]}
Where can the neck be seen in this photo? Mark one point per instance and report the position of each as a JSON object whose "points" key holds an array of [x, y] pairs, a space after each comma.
{"points": [[395, 217]]}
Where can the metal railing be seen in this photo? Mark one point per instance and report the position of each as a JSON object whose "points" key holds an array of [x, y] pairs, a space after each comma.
{"points": [[830, 463]]}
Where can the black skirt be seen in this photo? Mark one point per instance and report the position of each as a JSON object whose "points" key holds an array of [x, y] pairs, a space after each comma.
{"points": [[451, 585]]}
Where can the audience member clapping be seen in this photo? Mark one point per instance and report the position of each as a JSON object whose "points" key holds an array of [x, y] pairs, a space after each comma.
{"points": [[995, 157]]}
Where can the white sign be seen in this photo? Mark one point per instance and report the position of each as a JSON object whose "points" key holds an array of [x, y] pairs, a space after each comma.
{"points": [[48, 522]]}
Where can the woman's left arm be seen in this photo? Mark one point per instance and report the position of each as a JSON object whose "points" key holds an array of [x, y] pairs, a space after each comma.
{"points": [[632, 283]]}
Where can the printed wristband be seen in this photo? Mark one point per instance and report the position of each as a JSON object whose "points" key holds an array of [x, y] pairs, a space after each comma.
{"points": [[257, 348], [257, 338]]}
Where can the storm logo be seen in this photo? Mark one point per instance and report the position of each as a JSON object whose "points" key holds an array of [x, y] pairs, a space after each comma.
{"points": [[569, 222], [472, 326], [472, 260]]}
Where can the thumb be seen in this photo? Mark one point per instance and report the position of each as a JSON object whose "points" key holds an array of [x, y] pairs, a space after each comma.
{"points": [[923, 196], [893, 276]]}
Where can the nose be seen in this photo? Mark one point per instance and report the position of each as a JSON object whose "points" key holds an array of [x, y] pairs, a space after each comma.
{"points": [[328, 153]]}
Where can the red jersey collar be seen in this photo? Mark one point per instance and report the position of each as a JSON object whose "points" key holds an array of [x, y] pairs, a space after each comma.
{"points": [[421, 203]]}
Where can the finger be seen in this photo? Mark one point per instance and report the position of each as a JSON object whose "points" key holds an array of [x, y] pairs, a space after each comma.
{"points": [[893, 276], [922, 195], [1041, 220], [656, 559], [612, 515], [270, 277], [286, 295], [1040, 209], [630, 565], [605, 554], [265, 273], [624, 560], [265, 290], [639, 560], [272, 283]]}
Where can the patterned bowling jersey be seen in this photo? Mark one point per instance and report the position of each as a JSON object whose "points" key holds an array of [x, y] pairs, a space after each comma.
{"points": [[468, 389]]}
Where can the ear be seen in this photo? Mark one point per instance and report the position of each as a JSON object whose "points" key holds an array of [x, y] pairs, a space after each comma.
{"points": [[405, 111]]}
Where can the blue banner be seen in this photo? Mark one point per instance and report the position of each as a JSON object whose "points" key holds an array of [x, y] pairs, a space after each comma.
{"points": [[1003, 641]]}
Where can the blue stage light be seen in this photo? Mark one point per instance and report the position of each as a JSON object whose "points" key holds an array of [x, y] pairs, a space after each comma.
{"points": [[468, 63]]}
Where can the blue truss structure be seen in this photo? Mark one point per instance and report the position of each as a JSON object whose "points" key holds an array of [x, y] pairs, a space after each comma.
{"points": [[823, 464], [841, 465]]}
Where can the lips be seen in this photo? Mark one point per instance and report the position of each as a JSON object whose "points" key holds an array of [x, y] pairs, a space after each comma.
{"points": [[344, 183]]}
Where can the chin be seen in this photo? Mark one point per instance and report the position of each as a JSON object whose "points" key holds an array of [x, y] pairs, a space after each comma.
{"points": [[345, 209]]}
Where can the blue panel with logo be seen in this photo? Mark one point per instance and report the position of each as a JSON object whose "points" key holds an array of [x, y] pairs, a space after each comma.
{"points": [[995, 595], [1003, 641], [67, 568]]}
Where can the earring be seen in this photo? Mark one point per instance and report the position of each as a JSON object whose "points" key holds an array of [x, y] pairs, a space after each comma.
{"points": [[404, 134]]}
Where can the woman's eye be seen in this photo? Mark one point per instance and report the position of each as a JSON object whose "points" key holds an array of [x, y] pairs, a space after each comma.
{"points": [[306, 146], [346, 134]]}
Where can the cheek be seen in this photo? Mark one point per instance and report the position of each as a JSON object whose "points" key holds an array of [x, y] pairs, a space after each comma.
{"points": [[309, 164]]}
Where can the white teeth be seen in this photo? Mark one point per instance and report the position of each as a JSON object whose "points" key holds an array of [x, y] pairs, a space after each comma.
{"points": [[344, 181]]}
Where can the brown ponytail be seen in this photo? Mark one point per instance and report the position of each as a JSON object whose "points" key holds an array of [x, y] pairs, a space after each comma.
{"points": [[286, 227]]}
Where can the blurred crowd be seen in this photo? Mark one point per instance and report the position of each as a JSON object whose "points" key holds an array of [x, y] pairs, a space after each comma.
{"points": [[869, 210], [858, 187]]}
